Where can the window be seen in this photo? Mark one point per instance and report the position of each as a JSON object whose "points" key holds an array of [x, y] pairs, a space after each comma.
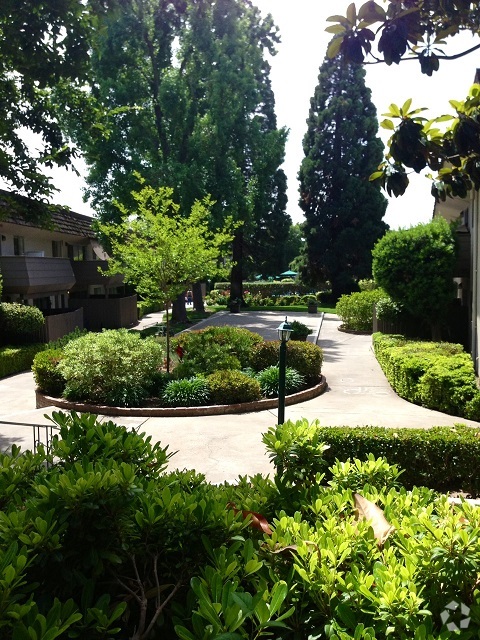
{"points": [[77, 252], [57, 248], [18, 246]]}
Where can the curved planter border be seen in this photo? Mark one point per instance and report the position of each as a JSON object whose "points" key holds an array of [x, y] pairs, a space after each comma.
{"points": [[44, 401]]}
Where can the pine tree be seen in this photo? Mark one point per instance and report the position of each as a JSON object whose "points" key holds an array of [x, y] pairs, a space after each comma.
{"points": [[343, 209]]}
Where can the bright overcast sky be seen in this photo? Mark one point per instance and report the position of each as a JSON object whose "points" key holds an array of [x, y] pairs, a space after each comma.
{"points": [[294, 77]]}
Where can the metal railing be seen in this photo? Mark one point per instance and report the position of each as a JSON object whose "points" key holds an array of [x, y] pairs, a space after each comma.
{"points": [[42, 433]]}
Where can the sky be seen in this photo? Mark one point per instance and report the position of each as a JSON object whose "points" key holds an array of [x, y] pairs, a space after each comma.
{"points": [[294, 77]]}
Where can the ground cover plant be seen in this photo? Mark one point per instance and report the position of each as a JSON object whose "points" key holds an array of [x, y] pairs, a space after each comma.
{"points": [[437, 375], [216, 365], [105, 542]]}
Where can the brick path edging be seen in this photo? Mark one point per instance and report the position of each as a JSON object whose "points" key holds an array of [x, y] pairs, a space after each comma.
{"points": [[43, 401]]}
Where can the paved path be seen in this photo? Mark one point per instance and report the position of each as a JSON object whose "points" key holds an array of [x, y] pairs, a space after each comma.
{"points": [[224, 447]]}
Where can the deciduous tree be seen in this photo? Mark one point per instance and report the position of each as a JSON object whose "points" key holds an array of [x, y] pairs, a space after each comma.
{"points": [[160, 251]]}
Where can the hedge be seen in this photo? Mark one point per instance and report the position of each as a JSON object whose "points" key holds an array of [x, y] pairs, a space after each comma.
{"points": [[304, 357], [441, 458], [17, 359], [268, 289], [437, 375], [19, 323]]}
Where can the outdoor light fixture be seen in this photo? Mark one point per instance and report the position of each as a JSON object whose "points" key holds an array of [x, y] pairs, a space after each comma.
{"points": [[284, 332]]}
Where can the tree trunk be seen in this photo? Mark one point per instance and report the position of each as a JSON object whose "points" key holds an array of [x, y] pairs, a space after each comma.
{"points": [[179, 312], [198, 297], [236, 276]]}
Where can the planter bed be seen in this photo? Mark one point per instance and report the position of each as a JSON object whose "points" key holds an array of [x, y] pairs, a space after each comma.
{"points": [[43, 400]]}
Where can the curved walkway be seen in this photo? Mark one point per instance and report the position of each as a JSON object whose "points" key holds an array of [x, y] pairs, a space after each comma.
{"points": [[224, 447]]}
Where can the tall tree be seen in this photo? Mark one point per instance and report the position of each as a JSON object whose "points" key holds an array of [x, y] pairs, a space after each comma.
{"points": [[343, 210], [186, 88]]}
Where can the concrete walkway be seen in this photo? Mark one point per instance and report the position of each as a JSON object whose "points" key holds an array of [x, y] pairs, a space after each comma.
{"points": [[224, 447]]}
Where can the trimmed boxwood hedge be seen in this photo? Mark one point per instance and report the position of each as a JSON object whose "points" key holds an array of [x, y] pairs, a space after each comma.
{"points": [[437, 375], [304, 357], [441, 458], [17, 359]]}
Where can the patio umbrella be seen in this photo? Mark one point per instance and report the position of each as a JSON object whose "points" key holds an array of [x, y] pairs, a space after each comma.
{"points": [[288, 273]]}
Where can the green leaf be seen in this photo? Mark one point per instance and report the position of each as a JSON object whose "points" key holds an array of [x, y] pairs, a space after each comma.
{"points": [[279, 593], [387, 124]]}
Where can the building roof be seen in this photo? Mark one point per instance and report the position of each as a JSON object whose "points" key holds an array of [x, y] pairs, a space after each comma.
{"points": [[24, 211]]}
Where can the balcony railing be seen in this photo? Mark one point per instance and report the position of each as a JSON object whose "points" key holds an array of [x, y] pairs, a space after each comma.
{"points": [[32, 275]]}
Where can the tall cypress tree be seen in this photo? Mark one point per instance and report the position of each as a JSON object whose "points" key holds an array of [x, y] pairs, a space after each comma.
{"points": [[343, 209]]}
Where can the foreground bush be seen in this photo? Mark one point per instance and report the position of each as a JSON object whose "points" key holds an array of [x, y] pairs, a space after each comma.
{"points": [[105, 543], [17, 359], [114, 367], [441, 458], [19, 323], [356, 309], [436, 375]]}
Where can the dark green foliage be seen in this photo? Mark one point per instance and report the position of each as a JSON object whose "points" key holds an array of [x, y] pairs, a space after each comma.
{"points": [[441, 458], [416, 266], [356, 309], [232, 387], [17, 359], [113, 367], [187, 392], [19, 323], [343, 210], [268, 379], [269, 289], [214, 348], [45, 371], [304, 357], [436, 375], [299, 330], [64, 340]]}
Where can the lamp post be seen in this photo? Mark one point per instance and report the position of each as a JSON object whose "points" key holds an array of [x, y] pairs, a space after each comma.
{"points": [[284, 332]]}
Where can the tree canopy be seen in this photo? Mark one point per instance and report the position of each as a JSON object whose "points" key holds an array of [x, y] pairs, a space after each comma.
{"points": [[42, 43], [418, 30], [186, 93], [343, 210]]}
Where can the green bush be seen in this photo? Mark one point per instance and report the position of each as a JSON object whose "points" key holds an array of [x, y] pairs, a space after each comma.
{"points": [[374, 472], [299, 330], [268, 379], [114, 367], [441, 458], [437, 375], [19, 323], [46, 374], [187, 392], [304, 357], [356, 309], [17, 359], [89, 540], [268, 289], [232, 387], [61, 342], [214, 348]]}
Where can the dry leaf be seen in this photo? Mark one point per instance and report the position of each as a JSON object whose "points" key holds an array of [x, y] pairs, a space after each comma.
{"points": [[258, 521], [369, 511]]}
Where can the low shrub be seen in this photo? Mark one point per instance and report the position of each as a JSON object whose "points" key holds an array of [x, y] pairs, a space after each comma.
{"points": [[61, 342], [299, 330], [46, 374], [19, 323], [437, 375], [356, 309], [304, 357], [215, 348], [356, 474], [232, 387], [17, 359], [268, 379], [187, 392], [114, 367], [441, 458]]}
